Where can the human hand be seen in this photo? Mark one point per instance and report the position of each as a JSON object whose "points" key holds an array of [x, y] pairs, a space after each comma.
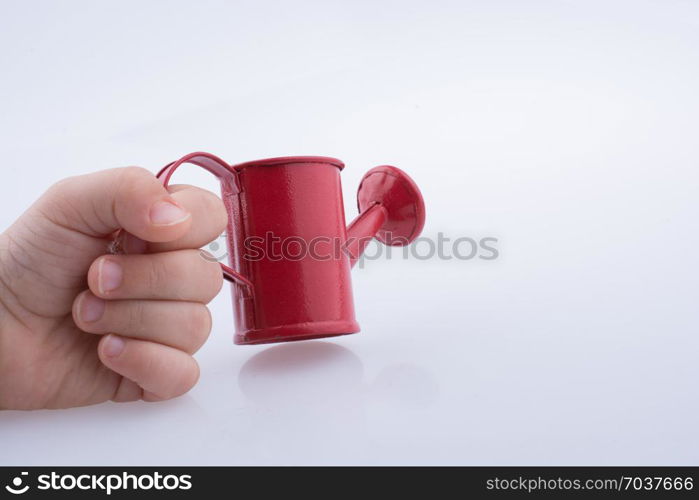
{"points": [[79, 326]]}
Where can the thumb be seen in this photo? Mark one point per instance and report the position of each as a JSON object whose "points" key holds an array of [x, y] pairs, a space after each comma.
{"points": [[131, 198]]}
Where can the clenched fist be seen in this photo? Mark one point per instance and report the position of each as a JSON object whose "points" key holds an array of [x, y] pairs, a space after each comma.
{"points": [[80, 324]]}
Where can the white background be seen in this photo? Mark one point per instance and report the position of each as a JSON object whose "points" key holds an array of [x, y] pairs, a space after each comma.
{"points": [[568, 130]]}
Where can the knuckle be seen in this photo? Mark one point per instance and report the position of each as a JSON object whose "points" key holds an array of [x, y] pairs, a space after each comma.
{"points": [[62, 185], [128, 179], [60, 201], [216, 212], [214, 279], [153, 275], [191, 376], [136, 317], [200, 326], [188, 377], [205, 273], [132, 174]]}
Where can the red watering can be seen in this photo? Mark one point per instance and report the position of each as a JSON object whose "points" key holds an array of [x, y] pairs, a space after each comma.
{"points": [[289, 251]]}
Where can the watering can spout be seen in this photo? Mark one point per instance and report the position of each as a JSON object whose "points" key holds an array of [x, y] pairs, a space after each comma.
{"points": [[391, 209], [363, 229]]}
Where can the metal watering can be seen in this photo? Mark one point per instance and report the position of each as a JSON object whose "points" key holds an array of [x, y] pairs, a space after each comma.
{"points": [[300, 288]]}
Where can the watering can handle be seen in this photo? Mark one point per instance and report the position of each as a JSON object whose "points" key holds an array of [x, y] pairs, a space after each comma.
{"points": [[228, 177]]}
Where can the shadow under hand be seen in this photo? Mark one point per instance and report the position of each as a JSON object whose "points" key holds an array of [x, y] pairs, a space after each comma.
{"points": [[307, 373]]}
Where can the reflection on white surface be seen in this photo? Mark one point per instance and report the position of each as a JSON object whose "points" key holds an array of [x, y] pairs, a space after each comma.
{"points": [[306, 385], [321, 387], [302, 374]]}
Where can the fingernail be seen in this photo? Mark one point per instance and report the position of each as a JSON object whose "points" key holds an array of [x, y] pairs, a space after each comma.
{"points": [[109, 275], [91, 308], [165, 213], [113, 346]]}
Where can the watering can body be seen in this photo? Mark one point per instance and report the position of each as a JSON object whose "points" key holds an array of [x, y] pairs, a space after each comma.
{"points": [[290, 251], [284, 222]]}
